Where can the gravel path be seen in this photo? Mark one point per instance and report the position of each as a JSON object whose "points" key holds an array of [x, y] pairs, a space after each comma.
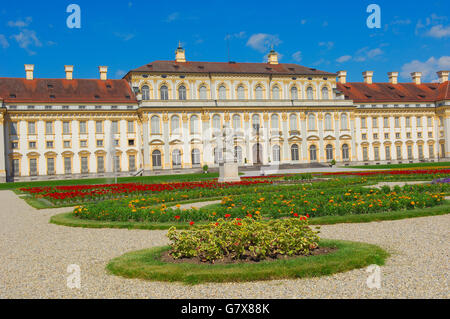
{"points": [[401, 184], [34, 256], [197, 204]]}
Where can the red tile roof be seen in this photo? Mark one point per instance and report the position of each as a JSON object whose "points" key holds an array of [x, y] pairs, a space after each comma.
{"points": [[229, 67], [21, 90], [401, 92]]}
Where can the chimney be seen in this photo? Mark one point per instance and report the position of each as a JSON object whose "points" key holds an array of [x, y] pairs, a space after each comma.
{"points": [[342, 77], [180, 54], [393, 77], [443, 76], [368, 77], [103, 72], [69, 72], [29, 68], [416, 76], [272, 58]]}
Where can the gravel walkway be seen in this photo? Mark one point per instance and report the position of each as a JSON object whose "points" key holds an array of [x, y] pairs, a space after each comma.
{"points": [[197, 205], [34, 256], [401, 184]]}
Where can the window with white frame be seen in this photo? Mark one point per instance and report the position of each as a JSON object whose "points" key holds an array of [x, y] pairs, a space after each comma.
{"points": [[325, 93], [83, 127], [164, 92], [145, 92], [98, 127], [182, 92], [130, 127], [194, 124], [328, 124], [309, 93], [216, 122], [293, 122], [155, 124], [236, 122], [203, 94], [175, 124], [195, 154], [276, 153], [276, 93], [311, 122], [259, 92], [241, 92], [294, 93], [274, 119], [222, 92], [344, 121], [294, 152]]}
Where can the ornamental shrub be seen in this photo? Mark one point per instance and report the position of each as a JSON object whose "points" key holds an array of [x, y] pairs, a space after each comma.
{"points": [[241, 239]]}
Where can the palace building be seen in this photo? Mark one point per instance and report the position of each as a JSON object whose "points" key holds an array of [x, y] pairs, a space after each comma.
{"points": [[168, 116]]}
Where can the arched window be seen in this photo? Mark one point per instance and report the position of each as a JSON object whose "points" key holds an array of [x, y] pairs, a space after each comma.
{"points": [[195, 154], [313, 153], [325, 95], [175, 124], [194, 124], [156, 158], [238, 154], [216, 122], [345, 155], [255, 122], [176, 157], [328, 125], [203, 92], [164, 92], [309, 93], [241, 92], [155, 125], [329, 151], [259, 92], [222, 92], [145, 92], [293, 122], [311, 122], [182, 92], [294, 93], [276, 93], [276, 153], [217, 155], [236, 122], [344, 125], [274, 122], [294, 152]]}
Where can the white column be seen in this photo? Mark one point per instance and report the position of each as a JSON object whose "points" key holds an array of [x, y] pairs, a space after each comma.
{"points": [[146, 146], [2, 149]]}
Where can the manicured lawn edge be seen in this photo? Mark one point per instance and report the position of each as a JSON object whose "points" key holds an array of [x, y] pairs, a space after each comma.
{"points": [[405, 165], [145, 264], [67, 219]]}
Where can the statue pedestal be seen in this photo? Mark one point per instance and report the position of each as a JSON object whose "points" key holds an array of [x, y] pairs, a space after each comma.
{"points": [[228, 172]]}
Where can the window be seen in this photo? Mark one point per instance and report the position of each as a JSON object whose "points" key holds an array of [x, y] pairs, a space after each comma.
{"points": [[408, 135], [100, 164], [430, 134], [276, 93], [99, 143], [33, 166], [293, 122], [397, 121], [364, 136], [83, 143], [66, 144], [276, 153], [442, 150], [175, 124], [365, 154], [83, 127], [311, 122], [14, 145], [131, 142], [386, 136], [164, 92], [309, 93], [431, 151], [274, 122], [329, 152], [408, 121], [216, 122], [217, 155], [84, 164], [67, 165], [195, 156], [363, 122], [32, 128], [238, 154], [131, 163], [154, 123], [313, 153], [222, 92], [374, 122], [419, 134], [236, 122], [182, 92], [48, 128], [259, 92], [294, 152], [325, 95], [115, 127], [49, 144], [203, 92], [387, 150], [116, 163], [145, 92], [344, 122], [410, 153], [13, 128], [328, 125], [241, 92], [66, 127], [130, 127], [176, 157], [385, 121], [50, 165], [418, 121], [98, 127], [375, 136], [429, 121], [376, 152], [398, 150], [294, 93], [156, 158], [194, 124], [32, 145], [420, 149], [345, 153], [397, 135], [15, 167]]}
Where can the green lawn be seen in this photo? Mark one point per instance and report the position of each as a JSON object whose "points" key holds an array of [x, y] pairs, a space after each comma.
{"points": [[406, 165], [146, 264]]}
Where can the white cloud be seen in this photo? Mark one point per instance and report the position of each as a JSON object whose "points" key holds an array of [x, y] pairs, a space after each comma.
{"points": [[120, 73], [3, 42], [329, 45], [365, 53], [238, 35], [344, 58], [173, 16], [27, 38], [297, 56], [439, 31], [428, 67], [20, 23], [263, 41]]}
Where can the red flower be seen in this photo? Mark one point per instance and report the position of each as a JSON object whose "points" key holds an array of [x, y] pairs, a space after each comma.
{"points": [[191, 223], [217, 224], [177, 217], [227, 215], [307, 215], [295, 215]]}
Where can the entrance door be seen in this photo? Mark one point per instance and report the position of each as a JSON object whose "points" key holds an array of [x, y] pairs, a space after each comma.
{"points": [[257, 154]]}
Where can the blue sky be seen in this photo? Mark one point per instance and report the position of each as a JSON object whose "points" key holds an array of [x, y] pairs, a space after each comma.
{"points": [[327, 35]]}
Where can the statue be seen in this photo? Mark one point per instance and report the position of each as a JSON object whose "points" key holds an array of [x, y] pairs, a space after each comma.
{"points": [[228, 167]]}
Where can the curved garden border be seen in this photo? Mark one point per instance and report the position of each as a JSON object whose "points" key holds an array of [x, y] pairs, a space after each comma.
{"points": [[146, 264]]}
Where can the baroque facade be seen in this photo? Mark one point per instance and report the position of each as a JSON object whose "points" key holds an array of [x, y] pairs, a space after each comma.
{"points": [[169, 115]]}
